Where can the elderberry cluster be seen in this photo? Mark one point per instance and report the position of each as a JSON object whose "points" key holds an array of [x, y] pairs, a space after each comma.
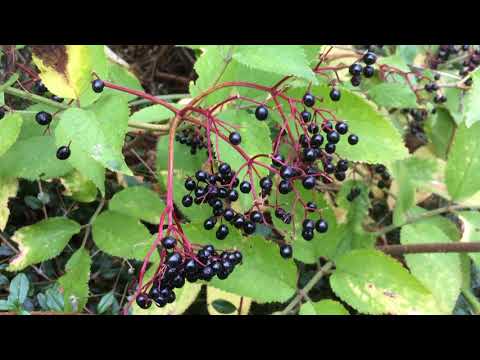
{"points": [[204, 265], [357, 70], [218, 190], [385, 179], [192, 138], [444, 52]]}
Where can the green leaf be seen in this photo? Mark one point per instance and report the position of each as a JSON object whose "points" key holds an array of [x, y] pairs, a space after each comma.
{"points": [[119, 75], [407, 52], [380, 142], [439, 128], [138, 202], [32, 159], [312, 53], [463, 166], [471, 101], [393, 95], [42, 241], [216, 65], [455, 104], [471, 231], [75, 281], [10, 127], [252, 145], [280, 59], [8, 189], [87, 134], [54, 299], [112, 112], [153, 113], [18, 289], [264, 276], [396, 61], [410, 174], [440, 273], [121, 235], [374, 283], [324, 307], [105, 302], [79, 187], [100, 68]]}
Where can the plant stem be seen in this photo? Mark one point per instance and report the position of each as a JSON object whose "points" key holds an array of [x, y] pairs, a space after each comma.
{"points": [[456, 247], [161, 97], [303, 292], [472, 300], [426, 215], [35, 98]]}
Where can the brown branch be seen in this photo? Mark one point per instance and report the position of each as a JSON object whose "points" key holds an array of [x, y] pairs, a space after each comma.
{"points": [[458, 247]]}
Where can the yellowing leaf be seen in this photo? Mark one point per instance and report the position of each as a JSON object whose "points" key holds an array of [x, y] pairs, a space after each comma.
{"points": [[8, 189], [66, 70]]}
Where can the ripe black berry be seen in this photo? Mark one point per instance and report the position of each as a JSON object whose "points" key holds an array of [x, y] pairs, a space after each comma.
{"points": [[353, 139], [330, 148], [40, 88], [228, 214], [309, 182], [309, 155], [355, 69], [178, 281], [261, 113], [311, 206], [321, 226], [222, 232], [187, 201], [224, 169], [143, 301], [266, 183], [98, 85], [239, 221], [287, 172], [308, 224], [2, 113], [335, 94], [174, 260], [190, 184], [329, 168], [369, 58], [277, 160], [43, 118], [342, 165], [355, 81], [245, 187], [201, 175], [57, 98], [169, 242], [312, 128], [233, 195], [190, 266], [316, 140], [308, 100], [368, 71], [256, 216], [63, 153], [284, 187], [249, 227], [342, 128], [306, 116], [333, 137], [307, 234], [340, 175], [286, 251], [235, 138], [380, 169]]}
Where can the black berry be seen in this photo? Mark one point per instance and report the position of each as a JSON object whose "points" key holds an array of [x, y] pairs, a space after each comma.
{"points": [[63, 153], [98, 85], [335, 94], [286, 251], [43, 118], [235, 138], [261, 113]]}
